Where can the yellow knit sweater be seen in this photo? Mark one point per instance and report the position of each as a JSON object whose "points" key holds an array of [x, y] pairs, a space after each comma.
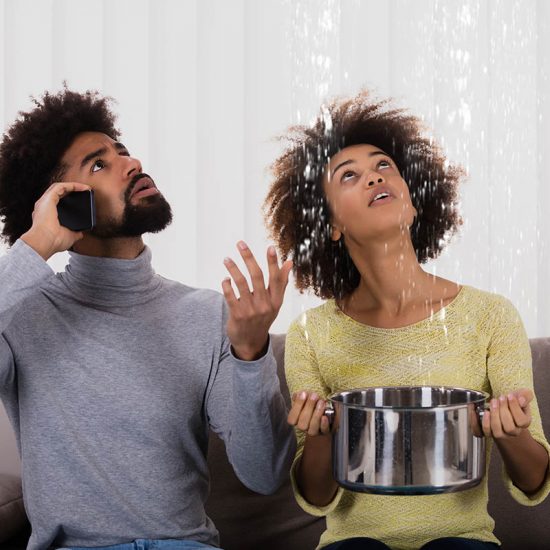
{"points": [[477, 342]]}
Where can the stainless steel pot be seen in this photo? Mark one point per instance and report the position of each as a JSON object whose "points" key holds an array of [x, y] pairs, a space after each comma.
{"points": [[407, 440]]}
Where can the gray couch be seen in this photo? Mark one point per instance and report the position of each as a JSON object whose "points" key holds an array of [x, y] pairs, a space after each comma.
{"points": [[248, 521]]}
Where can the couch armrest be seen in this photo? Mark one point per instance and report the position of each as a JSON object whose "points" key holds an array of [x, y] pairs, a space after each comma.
{"points": [[12, 511]]}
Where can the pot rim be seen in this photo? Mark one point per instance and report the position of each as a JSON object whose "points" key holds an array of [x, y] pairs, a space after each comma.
{"points": [[483, 396]]}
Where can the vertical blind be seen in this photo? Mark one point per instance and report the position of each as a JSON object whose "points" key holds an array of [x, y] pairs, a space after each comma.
{"points": [[204, 86]]}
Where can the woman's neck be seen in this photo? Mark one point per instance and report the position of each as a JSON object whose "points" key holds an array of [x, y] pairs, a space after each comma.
{"points": [[393, 285]]}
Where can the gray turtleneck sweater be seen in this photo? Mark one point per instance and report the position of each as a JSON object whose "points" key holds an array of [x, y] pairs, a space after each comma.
{"points": [[111, 376]]}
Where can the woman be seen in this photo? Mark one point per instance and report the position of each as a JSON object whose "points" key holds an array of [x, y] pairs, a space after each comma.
{"points": [[360, 200]]}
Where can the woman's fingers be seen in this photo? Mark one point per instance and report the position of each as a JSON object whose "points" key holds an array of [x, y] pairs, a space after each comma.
{"points": [[307, 413], [522, 418], [496, 426], [506, 417], [525, 396], [486, 423], [325, 425], [298, 400], [317, 416]]}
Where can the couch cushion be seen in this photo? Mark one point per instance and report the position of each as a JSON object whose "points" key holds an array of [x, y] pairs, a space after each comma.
{"points": [[12, 511], [520, 526], [248, 521]]}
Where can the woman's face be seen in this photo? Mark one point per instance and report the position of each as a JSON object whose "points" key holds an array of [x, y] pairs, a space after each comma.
{"points": [[367, 196]]}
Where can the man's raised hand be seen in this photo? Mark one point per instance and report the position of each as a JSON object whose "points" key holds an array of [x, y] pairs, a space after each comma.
{"points": [[252, 313], [46, 235]]}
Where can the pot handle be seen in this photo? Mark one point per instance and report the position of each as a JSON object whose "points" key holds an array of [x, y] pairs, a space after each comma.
{"points": [[329, 413], [479, 414], [481, 410]]}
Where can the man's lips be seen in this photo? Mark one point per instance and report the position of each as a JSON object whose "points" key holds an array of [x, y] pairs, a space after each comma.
{"points": [[144, 188], [145, 192]]}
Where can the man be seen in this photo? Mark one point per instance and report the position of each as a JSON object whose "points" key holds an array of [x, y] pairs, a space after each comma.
{"points": [[111, 374]]}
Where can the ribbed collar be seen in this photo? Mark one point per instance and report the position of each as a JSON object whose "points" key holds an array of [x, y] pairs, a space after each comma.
{"points": [[111, 281]]}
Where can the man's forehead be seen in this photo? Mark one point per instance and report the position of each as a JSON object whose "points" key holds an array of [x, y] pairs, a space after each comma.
{"points": [[85, 143]]}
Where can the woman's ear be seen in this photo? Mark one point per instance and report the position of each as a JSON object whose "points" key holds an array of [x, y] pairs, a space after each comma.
{"points": [[335, 234]]}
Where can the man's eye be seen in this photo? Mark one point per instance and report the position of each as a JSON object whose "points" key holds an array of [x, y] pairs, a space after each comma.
{"points": [[98, 165], [346, 176]]}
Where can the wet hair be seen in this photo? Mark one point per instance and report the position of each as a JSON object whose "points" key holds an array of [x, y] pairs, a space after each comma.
{"points": [[296, 209], [32, 148]]}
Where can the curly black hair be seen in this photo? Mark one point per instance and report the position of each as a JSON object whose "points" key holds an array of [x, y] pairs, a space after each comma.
{"points": [[296, 208], [32, 148]]}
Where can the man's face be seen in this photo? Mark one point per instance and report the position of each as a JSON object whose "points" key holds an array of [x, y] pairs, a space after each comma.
{"points": [[128, 203]]}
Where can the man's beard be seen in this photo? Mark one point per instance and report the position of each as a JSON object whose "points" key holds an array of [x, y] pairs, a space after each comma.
{"points": [[150, 215]]}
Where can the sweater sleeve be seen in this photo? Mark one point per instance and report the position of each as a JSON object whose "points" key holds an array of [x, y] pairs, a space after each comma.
{"points": [[21, 271], [509, 367], [302, 373], [247, 410]]}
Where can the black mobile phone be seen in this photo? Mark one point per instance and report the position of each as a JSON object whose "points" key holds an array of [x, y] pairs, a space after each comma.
{"points": [[76, 211]]}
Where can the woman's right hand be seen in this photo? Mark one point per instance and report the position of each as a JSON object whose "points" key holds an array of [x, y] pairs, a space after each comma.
{"points": [[307, 413], [314, 469]]}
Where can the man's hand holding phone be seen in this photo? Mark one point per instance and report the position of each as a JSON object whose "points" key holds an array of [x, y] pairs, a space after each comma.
{"points": [[46, 235]]}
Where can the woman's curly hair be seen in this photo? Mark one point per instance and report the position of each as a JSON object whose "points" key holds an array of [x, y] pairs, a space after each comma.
{"points": [[32, 148], [296, 208]]}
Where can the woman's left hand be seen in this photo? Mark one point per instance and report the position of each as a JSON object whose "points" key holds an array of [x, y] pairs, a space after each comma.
{"points": [[253, 312], [508, 415]]}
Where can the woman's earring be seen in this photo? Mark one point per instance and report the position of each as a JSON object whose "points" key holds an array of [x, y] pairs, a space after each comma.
{"points": [[335, 235]]}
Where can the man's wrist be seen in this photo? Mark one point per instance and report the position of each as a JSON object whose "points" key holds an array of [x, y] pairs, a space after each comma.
{"points": [[37, 244], [250, 353]]}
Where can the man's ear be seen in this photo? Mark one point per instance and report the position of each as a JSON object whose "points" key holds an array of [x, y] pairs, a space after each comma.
{"points": [[335, 234]]}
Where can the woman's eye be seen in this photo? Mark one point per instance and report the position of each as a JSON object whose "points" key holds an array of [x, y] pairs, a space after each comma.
{"points": [[384, 164], [346, 176], [98, 165]]}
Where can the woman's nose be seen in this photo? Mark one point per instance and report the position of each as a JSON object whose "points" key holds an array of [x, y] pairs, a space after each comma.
{"points": [[374, 178]]}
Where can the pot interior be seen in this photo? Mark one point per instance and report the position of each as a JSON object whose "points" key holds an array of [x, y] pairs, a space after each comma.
{"points": [[409, 397]]}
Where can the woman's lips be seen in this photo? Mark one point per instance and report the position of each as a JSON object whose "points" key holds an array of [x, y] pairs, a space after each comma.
{"points": [[378, 191], [381, 202]]}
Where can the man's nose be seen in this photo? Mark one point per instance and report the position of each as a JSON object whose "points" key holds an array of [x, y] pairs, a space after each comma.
{"points": [[132, 167]]}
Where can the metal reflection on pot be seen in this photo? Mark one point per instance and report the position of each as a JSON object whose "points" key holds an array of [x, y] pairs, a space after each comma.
{"points": [[407, 440]]}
